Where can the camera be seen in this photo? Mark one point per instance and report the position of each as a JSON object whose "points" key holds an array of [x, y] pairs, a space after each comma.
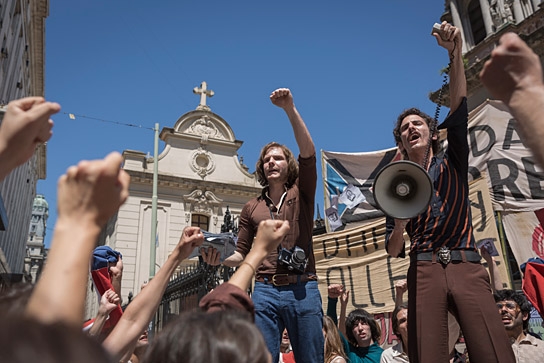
{"points": [[294, 259]]}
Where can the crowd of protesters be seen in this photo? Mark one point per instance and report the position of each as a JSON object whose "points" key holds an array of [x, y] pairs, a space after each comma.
{"points": [[283, 320]]}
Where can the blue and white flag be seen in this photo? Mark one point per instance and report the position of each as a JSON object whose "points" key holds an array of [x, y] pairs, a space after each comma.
{"points": [[348, 180]]}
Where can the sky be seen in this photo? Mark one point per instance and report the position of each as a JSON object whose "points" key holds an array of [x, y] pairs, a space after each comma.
{"points": [[351, 65]]}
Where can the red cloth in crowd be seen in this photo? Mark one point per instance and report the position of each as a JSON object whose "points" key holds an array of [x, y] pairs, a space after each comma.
{"points": [[288, 357], [100, 273], [533, 285], [102, 282]]}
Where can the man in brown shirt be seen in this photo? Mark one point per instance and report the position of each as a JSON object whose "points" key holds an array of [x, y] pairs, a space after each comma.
{"points": [[286, 293]]}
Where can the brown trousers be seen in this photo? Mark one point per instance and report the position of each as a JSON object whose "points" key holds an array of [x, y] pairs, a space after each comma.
{"points": [[463, 289]]}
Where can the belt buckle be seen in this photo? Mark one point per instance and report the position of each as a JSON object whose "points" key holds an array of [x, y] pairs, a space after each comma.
{"points": [[444, 255], [280, 276]]}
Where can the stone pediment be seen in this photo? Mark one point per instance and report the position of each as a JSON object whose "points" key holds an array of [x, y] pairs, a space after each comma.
{"points": [[205, 125]]}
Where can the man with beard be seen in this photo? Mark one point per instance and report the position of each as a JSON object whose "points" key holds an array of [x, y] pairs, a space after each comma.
{"points": [[515, 311], [285, 292]]}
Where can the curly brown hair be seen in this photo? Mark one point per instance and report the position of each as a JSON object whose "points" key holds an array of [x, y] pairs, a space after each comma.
{"points": [[292, 165], [519, 298], [413, 111]]}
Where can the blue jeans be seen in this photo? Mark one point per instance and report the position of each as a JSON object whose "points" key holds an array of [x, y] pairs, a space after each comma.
{"points": [[296, 307]]}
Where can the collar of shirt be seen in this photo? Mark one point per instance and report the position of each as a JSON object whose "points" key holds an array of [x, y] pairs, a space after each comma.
{"points": [[529, 339], [274, 208]]}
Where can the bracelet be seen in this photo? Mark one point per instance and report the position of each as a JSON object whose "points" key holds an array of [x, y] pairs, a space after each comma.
{"points": [[247, 263]]}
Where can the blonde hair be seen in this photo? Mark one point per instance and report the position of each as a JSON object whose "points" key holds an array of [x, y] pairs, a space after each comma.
{"points": [[333, 343]]}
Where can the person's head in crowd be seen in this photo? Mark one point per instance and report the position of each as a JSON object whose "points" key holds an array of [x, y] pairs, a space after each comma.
{"points": [[141, 345], [333, 342], [25, 340], [361, 328], [138, 353], [216, 337], [14, 299], [285, 345], [143, 341], [514, 309], [399, 320], [290, 171], [397, 131]]}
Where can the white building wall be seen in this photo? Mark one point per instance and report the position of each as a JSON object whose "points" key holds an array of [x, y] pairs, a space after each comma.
{"points": [[199, 172]]}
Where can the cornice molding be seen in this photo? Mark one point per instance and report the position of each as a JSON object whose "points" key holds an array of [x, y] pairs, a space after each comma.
{"points": [[168, 181]]}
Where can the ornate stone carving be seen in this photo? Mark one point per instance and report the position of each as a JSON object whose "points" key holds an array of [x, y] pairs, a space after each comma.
{"points": [[206, 128], [495, 13], [204, 202], [508, 14], [501, 12], [202, 162]]}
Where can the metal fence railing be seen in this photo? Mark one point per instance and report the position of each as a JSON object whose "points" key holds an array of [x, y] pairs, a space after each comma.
{"points": [[185, 290]]}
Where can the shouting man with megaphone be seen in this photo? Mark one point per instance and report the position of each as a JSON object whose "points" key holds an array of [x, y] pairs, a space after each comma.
{"points": [[445, 273]]}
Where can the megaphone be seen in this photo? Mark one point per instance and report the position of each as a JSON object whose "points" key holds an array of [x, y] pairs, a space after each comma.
{"points": [[403, 189]]}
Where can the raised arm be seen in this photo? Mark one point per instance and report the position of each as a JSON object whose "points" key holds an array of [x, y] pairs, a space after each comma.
{"points": [[108, 302], [25, 124], [344, 298], [140, 311], [88, 195], [450, 39], [401, 287], [116, 273], [514, 76], [232, 295], [283, 98], [494, 274], [269, 235], [334, 291]]}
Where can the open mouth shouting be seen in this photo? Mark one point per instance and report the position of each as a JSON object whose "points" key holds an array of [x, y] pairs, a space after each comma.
{"points": [[507, 319], [414, 138]]}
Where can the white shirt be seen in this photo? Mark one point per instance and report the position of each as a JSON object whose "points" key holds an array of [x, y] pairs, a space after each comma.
{"points": [[394, 354]]}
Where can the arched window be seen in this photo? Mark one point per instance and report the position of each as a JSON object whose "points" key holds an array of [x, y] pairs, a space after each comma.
{"points": [[476, 21], [200, 220]]}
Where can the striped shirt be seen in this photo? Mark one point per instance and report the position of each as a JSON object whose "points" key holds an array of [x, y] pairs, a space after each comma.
{"points": [[447, 220]]}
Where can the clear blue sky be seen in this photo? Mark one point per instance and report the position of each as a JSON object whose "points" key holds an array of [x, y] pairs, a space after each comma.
{"points": [[352, 66]]}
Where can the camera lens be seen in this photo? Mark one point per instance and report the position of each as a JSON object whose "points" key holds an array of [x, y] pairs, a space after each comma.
{"points": [[298, 255]]}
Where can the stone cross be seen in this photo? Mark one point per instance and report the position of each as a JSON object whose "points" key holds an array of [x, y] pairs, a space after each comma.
{"points": [[203, 91]]}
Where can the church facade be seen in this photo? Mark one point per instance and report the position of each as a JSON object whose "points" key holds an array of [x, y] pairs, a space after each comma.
{"points": [[199, 177]]}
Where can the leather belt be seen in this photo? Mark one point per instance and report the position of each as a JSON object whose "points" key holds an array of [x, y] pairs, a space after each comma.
{"points": [[284, 279], [445, 256]]}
